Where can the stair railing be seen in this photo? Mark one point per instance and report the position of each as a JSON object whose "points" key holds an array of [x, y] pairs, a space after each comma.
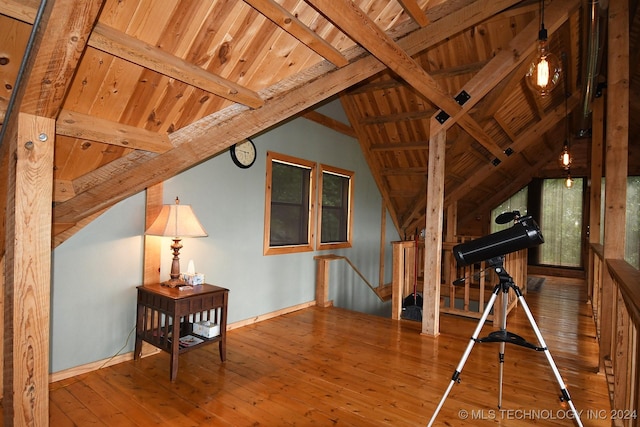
{"points": [[322, 279], [467, 299], [615, 291]]}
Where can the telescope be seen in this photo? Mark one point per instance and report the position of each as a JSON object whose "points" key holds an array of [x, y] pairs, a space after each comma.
{"points": [[524, 234]]}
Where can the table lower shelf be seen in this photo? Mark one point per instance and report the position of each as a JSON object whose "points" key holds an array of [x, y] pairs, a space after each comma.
{"points": [[188, 340]]}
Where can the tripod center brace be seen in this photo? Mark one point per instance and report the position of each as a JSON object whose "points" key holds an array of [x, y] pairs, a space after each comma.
{"points": [[502, 336]]}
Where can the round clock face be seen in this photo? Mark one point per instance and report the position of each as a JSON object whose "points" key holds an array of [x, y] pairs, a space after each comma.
{"points": [[243, 153]]}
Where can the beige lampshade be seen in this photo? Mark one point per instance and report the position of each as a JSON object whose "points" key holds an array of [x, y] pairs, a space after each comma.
{"points": [[176, 221]]}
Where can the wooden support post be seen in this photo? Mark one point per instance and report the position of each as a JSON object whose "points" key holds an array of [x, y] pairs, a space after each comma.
{"points": [[152, 250], [28, 272], [29, 139], [397, 283], [595, 174], [617, 149], [433, 233], [450, 236], [152, 244], [383, 239], [322, 279]]}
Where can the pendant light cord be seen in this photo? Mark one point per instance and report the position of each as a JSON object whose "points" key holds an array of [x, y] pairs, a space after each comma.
{"points": [[567, 93], [542, 34]]}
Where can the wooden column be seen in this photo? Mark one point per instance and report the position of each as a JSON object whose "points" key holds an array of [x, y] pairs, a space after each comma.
{"points": [[595, 193], [450, 237], [617, 147], [29, 139], [433, 232], [152, 244], [28, 272], [397, 282], [322, 279], [383, 239]]}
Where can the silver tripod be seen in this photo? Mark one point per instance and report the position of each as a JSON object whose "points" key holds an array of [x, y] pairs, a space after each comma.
{"points": [[502, 336]]}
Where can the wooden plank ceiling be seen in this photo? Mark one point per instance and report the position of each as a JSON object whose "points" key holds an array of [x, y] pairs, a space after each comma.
{"points": [[159, 89]]}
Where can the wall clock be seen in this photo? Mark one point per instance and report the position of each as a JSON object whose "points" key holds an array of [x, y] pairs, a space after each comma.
{"points": [[243, 153]]}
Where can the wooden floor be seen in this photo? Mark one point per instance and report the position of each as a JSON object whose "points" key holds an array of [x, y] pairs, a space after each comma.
{"points": [[336, 367]]}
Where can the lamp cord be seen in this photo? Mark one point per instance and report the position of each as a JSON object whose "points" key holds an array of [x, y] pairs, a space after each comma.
{"points": [[76, 377]]}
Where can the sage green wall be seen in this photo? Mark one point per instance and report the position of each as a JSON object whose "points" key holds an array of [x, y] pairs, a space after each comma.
{"points": [[96, 271]]}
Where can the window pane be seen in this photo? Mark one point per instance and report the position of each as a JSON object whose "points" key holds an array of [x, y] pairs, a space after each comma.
{"points": [[289, 205], [632, 223], [632, 241], [284, 225], [335, 208], [561, 223], [333, 187], [517, 202], [287, 183]]}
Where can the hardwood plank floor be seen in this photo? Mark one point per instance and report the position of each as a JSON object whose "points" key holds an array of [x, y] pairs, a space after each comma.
{"points": [[336, 367]]}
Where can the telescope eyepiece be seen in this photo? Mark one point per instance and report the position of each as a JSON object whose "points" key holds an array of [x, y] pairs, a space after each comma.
{"points": [[506, 217]]}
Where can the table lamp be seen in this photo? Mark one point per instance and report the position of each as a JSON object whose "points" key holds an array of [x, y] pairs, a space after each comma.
{"points": [[176, 221]]}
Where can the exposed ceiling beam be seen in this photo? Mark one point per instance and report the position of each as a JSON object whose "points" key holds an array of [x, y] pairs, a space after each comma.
{"points": [[292, 25], [398, 117], [390, 83], [413, 10], [422, 171], [129, 48], [3, 110], [329, 122], [404, 146], [77, 125], [21, 10], [62, 190]]}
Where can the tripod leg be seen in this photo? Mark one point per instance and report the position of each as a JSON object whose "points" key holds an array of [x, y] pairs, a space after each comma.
{"points": [[554, 368], [503, 328], [456, 375]]}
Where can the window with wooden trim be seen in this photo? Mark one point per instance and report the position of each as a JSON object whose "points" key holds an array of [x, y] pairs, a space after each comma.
{"points": [[561, 223], [632, 227], [289, 204], [517, 202], [335, 213]]}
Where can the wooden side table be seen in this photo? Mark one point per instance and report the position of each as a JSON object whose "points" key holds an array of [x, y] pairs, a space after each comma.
{"points": [[167, 314]]}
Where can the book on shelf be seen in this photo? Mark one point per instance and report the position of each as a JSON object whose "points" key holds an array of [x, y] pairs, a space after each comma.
{"points": [[190, 341]]}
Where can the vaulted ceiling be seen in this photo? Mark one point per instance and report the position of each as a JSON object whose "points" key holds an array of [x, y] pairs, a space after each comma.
{"points": [[143, 90]]}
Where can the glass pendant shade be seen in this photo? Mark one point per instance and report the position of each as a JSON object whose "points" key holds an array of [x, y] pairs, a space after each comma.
{"points": [[565, 157], [569, 181], [545, 70]]}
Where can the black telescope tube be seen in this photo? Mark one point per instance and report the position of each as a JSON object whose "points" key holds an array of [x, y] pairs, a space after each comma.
{"points": [[523, 234]]}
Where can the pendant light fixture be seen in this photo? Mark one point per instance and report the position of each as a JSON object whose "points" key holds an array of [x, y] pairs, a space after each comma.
{"points": [[565, 157], [569, 181], [544, 72]]}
